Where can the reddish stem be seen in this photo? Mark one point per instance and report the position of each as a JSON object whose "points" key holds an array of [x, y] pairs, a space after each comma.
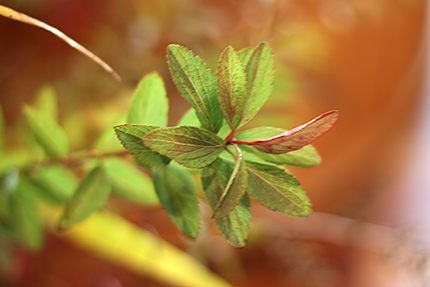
{"points": [[235, 141], [229, 138]]}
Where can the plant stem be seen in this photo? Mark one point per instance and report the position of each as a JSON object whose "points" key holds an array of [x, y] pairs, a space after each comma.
{"points": [[230, 152], [71, 160], [229, 138]]}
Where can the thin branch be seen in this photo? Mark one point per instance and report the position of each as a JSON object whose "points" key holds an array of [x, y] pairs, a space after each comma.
{"points": [[12, 14], [70, 160]]}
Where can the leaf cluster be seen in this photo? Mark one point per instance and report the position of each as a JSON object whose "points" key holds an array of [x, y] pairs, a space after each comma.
{"points": [[233, 167], [48, 173]]}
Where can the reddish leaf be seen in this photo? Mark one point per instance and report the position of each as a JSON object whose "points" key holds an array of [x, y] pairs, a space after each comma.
{"points": [[232, 87], [296, 138]]}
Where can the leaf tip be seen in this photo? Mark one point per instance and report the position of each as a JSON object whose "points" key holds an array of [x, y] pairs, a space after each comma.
{"points": [[172, 48], [117, 128], [332, 117], [335, 113], [307, 211]]}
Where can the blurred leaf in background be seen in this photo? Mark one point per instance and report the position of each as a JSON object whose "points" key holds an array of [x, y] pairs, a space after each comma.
{"points": [[55, 183], [90, 195], [49, 135], [128, 181]]}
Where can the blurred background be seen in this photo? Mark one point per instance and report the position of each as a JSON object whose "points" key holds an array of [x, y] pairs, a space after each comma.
{"points": [[365, 58]]}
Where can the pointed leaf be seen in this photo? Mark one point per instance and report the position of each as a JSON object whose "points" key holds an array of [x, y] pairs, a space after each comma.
{"points": [[190, 119], [232, 87], [234, 190], [304, 157], [177, 193], [91, 194], [49, 135], [25, 219], [296, 138], [245, 55], [235, 225], [277, 190], [127, 181], [46, 103], [260, 75], [190, 146], [197, 85], [8, 183], [131, 136], [149, 105]]}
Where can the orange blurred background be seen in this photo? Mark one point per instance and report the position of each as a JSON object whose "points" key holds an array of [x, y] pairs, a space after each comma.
{"points": [[365, 58]]}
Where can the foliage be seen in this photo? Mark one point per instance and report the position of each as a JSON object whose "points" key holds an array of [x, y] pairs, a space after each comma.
{"points": [[233, 166], [47, 186], [49, 176], [228, 99]]}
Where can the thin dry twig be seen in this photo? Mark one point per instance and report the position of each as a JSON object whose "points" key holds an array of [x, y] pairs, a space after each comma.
{"points": [[12, 14]]}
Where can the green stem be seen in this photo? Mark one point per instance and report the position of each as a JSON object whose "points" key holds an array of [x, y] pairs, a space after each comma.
{"points": [[71, 160]]}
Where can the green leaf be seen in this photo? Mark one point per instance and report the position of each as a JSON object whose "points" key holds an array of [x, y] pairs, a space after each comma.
{"points": [[48, 134], [128, 181], [260, 75], [9, 180], [8, 183], [91, 194], [245, 55], [235, 225], [304, 157], [25, 222], [54, 183], [259, 133], [177, 193], [190, 119], [234, 190], [197, 85], [46, 103], [108, 141], [296, 138], [224, 131], [24, 217], [232, 87], [273, 187], [307, 156], [149, 105], [131, 136], [190, 146]]}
